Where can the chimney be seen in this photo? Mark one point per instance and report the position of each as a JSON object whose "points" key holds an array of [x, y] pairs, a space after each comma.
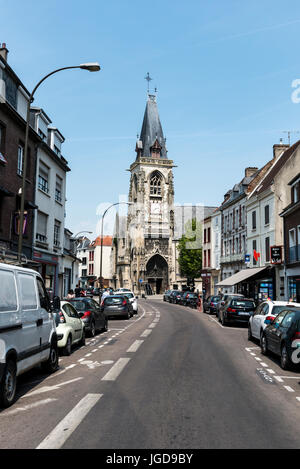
{"points": [[3, 51], [279, 148], [250, 171]]}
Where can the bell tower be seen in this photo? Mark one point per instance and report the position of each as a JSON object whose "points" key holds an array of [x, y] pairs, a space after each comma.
{"points": [[150, 220]]}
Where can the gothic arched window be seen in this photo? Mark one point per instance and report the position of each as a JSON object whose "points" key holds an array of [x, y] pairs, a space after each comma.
{"points": [[155, 183]]}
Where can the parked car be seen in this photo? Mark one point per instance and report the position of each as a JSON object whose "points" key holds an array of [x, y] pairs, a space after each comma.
{"points": [[69, 326], [117, 305], [27, 327], [166, 295], [90, 313], [282, 337], [267, 310], [189, 299], [236, 310], [210, 304], [133, 300], [224, 298], [175, 296]]}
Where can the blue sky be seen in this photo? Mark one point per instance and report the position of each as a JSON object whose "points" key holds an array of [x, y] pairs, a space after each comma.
{"points": [[224, 73]]}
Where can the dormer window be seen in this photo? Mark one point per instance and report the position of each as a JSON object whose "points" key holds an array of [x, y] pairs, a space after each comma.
{"points": [[156, 149]]}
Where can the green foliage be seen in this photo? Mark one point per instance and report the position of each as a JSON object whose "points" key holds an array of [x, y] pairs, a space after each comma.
{"points": [[190, 250]]}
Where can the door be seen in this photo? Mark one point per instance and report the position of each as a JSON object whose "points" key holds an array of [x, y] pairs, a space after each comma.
{"points": [[74, 321], [47, 325], [258, 318], [31, 337], [274, 332], [99, 315]]}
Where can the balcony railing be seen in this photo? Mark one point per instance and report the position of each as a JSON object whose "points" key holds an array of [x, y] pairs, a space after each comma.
{"points": [[294, 253], [232, 258]]}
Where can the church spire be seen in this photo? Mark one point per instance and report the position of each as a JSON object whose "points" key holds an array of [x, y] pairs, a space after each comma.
{"points": [[151, 134]]}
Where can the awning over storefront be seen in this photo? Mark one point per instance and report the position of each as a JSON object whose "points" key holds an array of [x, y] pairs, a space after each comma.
{"points": [[240, 277]]}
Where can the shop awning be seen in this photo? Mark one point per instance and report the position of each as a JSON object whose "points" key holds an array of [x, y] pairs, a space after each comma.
{"points": [[240, 276]]}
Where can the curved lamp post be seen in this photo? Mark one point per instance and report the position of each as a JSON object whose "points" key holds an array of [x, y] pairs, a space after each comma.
{"points": [[101, 242], [92, 67]]}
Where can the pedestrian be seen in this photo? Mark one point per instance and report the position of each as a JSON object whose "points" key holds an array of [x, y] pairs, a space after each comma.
{"points": [[77, 291], [104, 295], [70, 295]]}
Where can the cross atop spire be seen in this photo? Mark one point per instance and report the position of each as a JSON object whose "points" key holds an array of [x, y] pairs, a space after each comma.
{"points": [[148, 78]]}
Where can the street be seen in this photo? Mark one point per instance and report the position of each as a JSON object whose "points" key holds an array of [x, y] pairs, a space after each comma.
{"points": [[170, 377]]}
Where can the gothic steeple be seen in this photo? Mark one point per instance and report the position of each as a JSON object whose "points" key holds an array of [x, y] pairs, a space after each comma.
{"points": [[151, 142]]}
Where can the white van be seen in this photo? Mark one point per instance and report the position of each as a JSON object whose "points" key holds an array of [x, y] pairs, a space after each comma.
{"points": [[27, 328]]}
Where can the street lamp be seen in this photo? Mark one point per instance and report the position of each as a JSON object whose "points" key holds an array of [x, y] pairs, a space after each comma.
{"points": [[101, 242], [91, 67]]}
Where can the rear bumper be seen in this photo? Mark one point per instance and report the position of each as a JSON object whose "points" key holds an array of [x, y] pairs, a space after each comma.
{"points": [[112, 313], [231, 317]]}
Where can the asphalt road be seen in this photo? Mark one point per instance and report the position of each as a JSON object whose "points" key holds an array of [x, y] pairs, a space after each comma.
{"points": [[171, 377]]}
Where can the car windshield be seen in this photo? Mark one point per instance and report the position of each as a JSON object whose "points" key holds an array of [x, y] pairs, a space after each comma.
{"points": [[243, 303], [114, 300], [80, 305], [129, 295]]}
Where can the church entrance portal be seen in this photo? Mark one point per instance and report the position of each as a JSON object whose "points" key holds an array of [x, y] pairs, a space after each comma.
{"points": [[157, 274]]}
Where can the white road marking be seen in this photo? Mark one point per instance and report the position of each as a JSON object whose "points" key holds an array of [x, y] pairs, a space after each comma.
{"points": [[253, 354], [146, 333], [30, 406], [289, 389], [80, 359], [135, 346], [51, 388], [114, 372], [258, 359], [153, 325], [65, 428], [278, 379], [88, 355], [271, 371], [298, 399], [264, 364]]}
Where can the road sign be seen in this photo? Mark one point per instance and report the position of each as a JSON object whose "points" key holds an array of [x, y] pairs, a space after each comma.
{"points": [[247, 258], [141, 280]]}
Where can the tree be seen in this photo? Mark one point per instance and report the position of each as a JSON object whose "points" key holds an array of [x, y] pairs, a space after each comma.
{"points": [[190, 250]]}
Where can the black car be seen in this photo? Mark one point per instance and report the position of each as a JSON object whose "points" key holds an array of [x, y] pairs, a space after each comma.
{"points": [[175, 296], [117, 305], [282, 337], [166, 295], [189, 299], [90, 313], [210, 304], [236, 310], [225, 297]]}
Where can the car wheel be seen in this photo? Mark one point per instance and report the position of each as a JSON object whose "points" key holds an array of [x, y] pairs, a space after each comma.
{"points": [[51, 365], [8, 384], [82, 340], [285, 361], [264, 345], [105, 328], [127, 316], [250, 336], [93, 329], [68, 347]]}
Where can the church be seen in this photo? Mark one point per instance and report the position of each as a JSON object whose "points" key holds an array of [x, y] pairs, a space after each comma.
{"points": [[143, 253]]}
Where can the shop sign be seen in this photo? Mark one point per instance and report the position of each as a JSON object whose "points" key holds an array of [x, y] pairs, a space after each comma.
{"points": [[276, 254]]}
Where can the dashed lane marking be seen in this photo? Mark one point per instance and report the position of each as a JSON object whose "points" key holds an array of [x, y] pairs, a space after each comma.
{"points": [[146, 333], [66, 427], [115, 371], [289, 389], [135, 346], [30, 406]]}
